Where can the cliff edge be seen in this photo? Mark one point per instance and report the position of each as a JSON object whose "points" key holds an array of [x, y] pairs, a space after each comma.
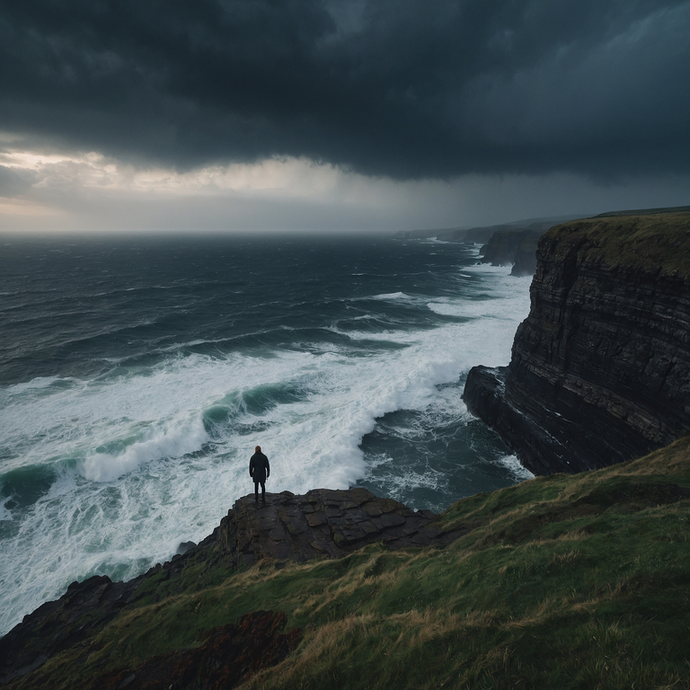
{"points": [[600, 369], [567, 581], [322, 523]]}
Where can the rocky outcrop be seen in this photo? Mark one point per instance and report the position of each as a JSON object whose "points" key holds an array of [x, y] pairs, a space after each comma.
{"points": [[322, 523], [525, 258], [600, 369], [80, 613], [516, 247]]}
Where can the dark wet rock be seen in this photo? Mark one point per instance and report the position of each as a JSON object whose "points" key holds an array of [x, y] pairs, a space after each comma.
{"points": [[514, 246], [82, 611], [600, 369], [525, 258], [185, 546], [322, 522]]}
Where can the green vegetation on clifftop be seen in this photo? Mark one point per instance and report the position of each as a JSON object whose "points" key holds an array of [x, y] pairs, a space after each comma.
{"points": [[561, 582], [654, 242]]}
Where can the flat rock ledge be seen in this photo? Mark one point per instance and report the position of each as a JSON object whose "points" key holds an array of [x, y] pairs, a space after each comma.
{"points": [[323, 522]]}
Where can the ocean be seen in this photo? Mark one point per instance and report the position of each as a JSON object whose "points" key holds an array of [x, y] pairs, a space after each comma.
{"points": [[138, 373]]}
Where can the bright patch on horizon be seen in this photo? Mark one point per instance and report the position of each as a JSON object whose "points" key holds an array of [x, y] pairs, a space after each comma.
{"points": [[289, 177], [58, 191]]}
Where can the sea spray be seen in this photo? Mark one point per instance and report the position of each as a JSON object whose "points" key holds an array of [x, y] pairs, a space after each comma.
{"points": [[131, 404]]}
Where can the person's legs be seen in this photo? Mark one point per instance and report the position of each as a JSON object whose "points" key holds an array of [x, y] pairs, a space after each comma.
{"points": [[256, 492], [263, 491]]}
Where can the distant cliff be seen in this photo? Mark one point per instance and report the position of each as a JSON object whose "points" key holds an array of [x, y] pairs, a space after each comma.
{"points": [[514, 246], [504, 244], [600, 369]]}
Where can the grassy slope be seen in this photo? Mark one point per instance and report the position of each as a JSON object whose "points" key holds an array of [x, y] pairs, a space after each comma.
{"points": [[564, 582]]}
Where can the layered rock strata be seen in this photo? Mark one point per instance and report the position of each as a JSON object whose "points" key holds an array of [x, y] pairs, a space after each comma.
{"points": [[600, 369], [322, 523]]}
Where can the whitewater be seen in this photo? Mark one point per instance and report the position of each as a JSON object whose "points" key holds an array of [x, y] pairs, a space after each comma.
{"points": [[137, 375]]}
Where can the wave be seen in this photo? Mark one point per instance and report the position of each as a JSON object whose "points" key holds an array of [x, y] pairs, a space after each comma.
{"points": [[43, 385], [21, 487], [169, 440], [511, 463], [154, 451], [392, 296]]}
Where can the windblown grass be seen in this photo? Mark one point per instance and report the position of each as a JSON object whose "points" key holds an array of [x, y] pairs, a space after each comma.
{"points": [[566, 581], [657, 243]]}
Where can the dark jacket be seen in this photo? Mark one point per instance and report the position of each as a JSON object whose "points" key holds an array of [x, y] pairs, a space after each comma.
{"points": [[259, 469]]}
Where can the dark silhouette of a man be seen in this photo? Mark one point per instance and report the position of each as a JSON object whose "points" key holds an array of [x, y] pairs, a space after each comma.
{"points": [[260, 471]]}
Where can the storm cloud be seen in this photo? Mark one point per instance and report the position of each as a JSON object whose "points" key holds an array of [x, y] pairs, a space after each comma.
{"points": [[406, 89]]}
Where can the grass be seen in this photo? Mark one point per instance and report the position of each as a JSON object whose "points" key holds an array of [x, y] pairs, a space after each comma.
{"points": [[566, 581], [658, 243]]}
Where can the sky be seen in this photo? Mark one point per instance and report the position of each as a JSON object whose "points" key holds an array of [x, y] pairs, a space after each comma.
{"points": [[338, 115]]}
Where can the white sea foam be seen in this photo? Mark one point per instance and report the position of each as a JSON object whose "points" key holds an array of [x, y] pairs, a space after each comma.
{"points": [[38, 384], [138, 472], [511, 463], [170, 439], [392, 296]]}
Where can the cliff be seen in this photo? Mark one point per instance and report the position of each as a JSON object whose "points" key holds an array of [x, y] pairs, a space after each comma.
{"points": [[561, 581], [514, 246], [507, 243], [600, 369], [566, 581]]}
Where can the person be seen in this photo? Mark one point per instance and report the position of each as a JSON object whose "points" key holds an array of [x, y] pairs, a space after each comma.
{"points": [[259, 471]]}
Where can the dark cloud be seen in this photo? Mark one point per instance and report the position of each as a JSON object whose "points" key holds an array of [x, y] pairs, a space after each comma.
{"points": [[403, 88]]}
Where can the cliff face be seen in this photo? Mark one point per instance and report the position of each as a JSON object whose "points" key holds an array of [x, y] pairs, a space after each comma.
{"points": [[514, 245], [517, 247], [526, 254], [600, 369]]}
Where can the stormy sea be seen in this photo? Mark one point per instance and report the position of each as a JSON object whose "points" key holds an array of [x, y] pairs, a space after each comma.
{"points": [[138, 374]]}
